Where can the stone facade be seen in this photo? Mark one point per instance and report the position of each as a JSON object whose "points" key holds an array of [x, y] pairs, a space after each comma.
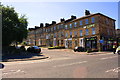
{"points": [[94, 31]]}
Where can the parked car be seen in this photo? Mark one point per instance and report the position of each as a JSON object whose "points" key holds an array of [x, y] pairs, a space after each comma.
{"points": [[118, 50], [34, 49], [79, 49], [1, 65]]}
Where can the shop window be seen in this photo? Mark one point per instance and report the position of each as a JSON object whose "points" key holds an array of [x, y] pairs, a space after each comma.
{"points": [[94, 44], [92, 19], [86, 21], [61, 42], [93, 30], [80, 22], [81, 42], [76, 43], [81, 33], [87, 32]]}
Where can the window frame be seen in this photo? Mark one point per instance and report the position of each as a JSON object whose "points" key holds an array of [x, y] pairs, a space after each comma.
{"points": [[93, 30], [92, 19], [81, 32], [75, 24], [86, 32], [86, 21], [81, 23], [70, 25]]}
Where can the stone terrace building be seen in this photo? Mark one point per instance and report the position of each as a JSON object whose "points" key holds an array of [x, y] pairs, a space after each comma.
{"points": [[118, 36], [94, 31]]}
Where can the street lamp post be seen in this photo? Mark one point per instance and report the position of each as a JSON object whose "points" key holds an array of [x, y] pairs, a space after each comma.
{"points": [[35, 35]]}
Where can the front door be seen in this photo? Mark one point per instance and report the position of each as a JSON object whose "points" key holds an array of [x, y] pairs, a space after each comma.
{"points": [[66, 43]]}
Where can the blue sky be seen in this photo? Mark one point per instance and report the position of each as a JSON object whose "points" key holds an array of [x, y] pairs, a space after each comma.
{"points": [[46, 12]]}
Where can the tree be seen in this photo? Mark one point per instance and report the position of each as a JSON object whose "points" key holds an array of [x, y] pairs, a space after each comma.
{"points": [[14, 28]]}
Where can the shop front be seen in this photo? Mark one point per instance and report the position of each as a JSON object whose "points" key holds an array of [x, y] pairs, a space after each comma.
{"points": [[90, 42], [81, 42], [66, 43], [54, 42], [70, 43], [107, 44]]}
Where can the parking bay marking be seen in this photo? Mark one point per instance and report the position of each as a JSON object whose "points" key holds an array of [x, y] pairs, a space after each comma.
{"points": [[63, 65], [36, 61]]}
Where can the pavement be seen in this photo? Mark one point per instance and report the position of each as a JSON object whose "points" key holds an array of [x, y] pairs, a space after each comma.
{"points": [[39, 56]]}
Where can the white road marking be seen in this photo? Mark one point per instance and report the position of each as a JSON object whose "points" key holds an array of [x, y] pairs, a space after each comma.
{"points": [[12, 71], [35, 61], [108, 57], [114, 70], [63, 65]]}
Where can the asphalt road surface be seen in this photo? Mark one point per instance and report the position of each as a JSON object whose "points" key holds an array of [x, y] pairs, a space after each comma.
{"points": [[64, 64]]}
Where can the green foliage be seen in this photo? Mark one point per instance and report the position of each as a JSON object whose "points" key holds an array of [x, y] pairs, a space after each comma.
{"points": [[24, 43], [56, 47], [14, 28]]}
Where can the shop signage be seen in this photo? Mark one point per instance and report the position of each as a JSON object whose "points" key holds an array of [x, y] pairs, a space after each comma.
{"points": [[70, 39], [91, 38], [88, 26], [101, 41], [110, 39]]}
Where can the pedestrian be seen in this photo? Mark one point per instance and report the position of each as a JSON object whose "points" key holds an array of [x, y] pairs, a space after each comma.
{"points": [[114, 49]]}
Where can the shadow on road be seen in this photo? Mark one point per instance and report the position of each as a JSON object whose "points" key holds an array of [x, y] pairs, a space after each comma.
{"points": [[21, 56]]}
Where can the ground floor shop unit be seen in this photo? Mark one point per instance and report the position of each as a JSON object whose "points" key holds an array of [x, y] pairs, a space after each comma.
{"points": [[91, 43], [101, 43]]}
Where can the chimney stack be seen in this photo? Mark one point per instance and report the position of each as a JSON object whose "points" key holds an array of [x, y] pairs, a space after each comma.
{"points": [[87, 12], [41, 25], [53, 22], [73, 17], [62, 19], [46, 24]]}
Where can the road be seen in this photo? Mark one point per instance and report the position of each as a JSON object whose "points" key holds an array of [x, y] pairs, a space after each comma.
{"points": [[64, 64]]}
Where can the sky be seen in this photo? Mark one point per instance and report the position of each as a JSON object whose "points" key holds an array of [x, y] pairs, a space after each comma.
{"points": [[46, 12]]}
